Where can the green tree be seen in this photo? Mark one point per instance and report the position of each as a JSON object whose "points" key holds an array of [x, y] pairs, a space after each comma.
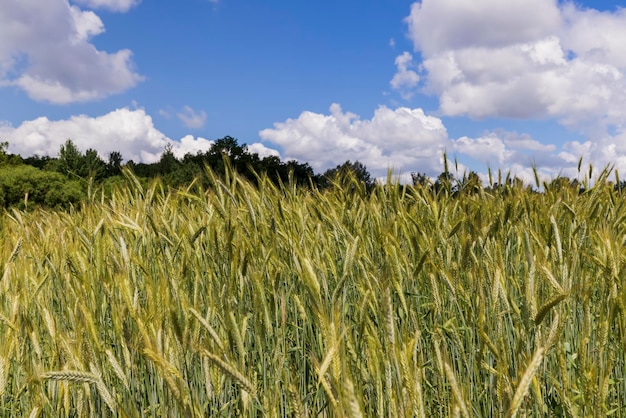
{"points": [[114, 166], [228, 146], [345, 173], [71, 160], [301, 173], [168, 162], [445, 182], [420, 179], [94, 166], [39, 161], [6, 158]]}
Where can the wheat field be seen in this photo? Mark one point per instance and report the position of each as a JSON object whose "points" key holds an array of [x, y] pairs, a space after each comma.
{"points": [[265, 301]]}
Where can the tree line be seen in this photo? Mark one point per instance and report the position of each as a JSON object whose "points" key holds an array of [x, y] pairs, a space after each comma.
{"points": [[64, 180]]}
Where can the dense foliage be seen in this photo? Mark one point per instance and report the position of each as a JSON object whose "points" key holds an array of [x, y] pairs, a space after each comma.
{"points": [[22, 184], [37, 179], [244, 299]]}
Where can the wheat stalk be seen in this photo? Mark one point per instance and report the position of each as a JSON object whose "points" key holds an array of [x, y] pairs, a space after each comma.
{"points": [[4, 370], [117, 368], [239, 378], [524, 384], [456, 390]]}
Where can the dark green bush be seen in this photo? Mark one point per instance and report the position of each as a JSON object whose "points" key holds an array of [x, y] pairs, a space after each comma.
{"points": [[25, 185]]}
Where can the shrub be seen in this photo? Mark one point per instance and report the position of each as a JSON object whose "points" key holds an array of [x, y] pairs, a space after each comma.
{"points": [[23, 185]]}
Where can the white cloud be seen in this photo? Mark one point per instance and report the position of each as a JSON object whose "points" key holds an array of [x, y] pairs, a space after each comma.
{"points": [[609, 150], [406, 79], [489, 149], [112, 5], [86, 24], [403, 139], [45, 50], [519, 154], [190, 145], [131, 132], [524, 142], [442, 25], [524, 59], [165, 114], [408, 140], [191, 118], [262, 150], [527, 59], [595, 35]]}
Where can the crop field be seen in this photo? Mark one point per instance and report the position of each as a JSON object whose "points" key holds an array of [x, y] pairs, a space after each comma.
{"points": [[264, 301]]}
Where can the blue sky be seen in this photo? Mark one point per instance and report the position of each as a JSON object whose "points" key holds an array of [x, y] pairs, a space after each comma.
{"points": [[502, 83]]}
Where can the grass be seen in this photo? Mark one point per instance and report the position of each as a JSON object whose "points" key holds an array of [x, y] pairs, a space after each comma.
{"points": [[279, 301]]}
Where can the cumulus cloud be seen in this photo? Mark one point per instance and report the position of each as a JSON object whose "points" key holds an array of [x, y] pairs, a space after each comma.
{"points": [[501, 150], [407, 140], [191, 118], [112, 5], [516, 141], [527, 59], [131, 132], [262, 150], [403, 139], [190, 145], [521, 154], [606, 151], [489, 149], [194, 145], [443, 25], [405, 80], [523, 59], [45, 50]]}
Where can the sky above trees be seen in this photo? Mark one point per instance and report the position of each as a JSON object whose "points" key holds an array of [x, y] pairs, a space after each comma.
{"points": [[508, 84]]}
